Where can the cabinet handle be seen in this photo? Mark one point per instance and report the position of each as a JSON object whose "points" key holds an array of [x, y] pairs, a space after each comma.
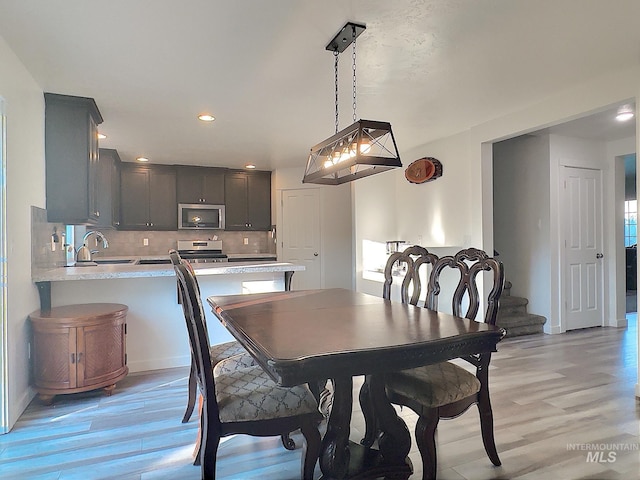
{"points": [[151, 224], [97, 214], [73, 358], [79, 357]]}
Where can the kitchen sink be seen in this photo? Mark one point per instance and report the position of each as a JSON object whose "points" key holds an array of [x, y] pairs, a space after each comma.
{"points": [[119, 261]]}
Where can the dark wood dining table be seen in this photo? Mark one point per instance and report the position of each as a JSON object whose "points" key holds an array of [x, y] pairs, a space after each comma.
{"points": [[309, 336]]}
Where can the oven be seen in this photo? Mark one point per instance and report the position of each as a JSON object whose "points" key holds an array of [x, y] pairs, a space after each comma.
{"points": [[201, 251]]}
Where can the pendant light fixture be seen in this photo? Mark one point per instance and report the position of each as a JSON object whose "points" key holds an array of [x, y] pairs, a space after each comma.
{"points": [[364, 148]]}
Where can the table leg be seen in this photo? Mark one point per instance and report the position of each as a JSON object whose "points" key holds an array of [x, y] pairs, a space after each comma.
{"points": [[287, 280], [334, 457], [395, 440]]}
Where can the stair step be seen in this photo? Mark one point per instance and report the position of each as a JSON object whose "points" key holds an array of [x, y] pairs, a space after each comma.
{"points": [[521, 324], [512, 306]]}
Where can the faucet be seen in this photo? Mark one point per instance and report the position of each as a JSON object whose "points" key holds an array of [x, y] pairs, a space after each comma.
{"points": [[84, 254]]}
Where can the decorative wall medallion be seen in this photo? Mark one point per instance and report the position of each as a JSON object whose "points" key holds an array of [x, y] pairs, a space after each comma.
{"points": [[423, 170]]}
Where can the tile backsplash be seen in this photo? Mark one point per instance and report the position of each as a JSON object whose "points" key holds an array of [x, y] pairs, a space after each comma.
{"points": [[45, 252], [160, 242]]}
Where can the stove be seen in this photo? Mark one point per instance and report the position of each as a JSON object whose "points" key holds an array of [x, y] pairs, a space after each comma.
{"points": [[201, 251]]}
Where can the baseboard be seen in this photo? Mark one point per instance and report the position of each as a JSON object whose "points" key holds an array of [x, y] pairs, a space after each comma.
{"points": [[619, 323], [159, 364]]}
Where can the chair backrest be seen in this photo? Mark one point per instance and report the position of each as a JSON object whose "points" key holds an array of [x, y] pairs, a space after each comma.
{"points": [[408, 261], [198, 337], [469, 263]]}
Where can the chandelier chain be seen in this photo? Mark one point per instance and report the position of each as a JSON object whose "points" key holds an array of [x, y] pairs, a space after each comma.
{"points": [[335, 55], [354, 74]]}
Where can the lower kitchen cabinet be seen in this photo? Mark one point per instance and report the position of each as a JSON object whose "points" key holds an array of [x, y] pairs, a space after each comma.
{"points": [[76, 348]]}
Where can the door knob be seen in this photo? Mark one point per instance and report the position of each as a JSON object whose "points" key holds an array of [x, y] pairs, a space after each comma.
{"points": [[315, 254], [599, 255]]}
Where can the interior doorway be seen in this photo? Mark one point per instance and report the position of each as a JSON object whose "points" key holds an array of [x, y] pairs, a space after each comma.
{"points": [[525, 187], [630, 233]]}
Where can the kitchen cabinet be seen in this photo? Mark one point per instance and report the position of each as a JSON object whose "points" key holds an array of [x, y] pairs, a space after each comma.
{"points": [[148, 197], [76, 348], [108, 188], [248, 200], [200, 185], [71, 158]]}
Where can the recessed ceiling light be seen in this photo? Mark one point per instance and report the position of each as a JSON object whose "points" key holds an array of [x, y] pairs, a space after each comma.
{"points": [[625, 112], [101, 136], [205, 117], [142, 159], [250, 166]]}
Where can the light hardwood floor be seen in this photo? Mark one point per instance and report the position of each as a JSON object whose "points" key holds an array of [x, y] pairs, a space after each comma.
{"points": [[561, 403]]}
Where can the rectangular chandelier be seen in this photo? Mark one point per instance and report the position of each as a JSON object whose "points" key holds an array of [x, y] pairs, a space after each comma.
{"points": [[364, 148]]}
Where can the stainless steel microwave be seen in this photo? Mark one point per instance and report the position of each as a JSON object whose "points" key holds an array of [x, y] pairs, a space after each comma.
{"points": [[200, 216]]}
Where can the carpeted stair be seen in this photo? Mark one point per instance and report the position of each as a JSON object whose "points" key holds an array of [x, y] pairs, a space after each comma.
{"points": [[513, 315]]}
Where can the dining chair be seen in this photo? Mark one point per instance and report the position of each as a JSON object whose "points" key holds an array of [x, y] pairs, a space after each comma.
{"points": [[446, 390], [406, 267], [245, 400], [218, 352]]}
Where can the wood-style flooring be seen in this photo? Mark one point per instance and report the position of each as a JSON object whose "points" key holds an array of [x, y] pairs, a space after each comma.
{"points": [[562, 405]]}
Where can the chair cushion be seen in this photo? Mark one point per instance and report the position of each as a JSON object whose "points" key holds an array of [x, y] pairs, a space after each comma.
{"points": [[232, 363], [248, 394], [434, 385], [225, 350]]}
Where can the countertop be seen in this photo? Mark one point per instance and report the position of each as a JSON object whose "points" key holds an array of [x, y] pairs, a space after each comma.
{"points": [[134, 271]]}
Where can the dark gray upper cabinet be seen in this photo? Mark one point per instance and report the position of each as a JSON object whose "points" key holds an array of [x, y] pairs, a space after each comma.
{"points": [[109, 188], [148, 197], [71, 158], [200, 185], [248, 200]]}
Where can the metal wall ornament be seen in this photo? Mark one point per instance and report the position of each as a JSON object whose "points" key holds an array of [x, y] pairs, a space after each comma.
{"points": [[423, 170], [362, 149]]}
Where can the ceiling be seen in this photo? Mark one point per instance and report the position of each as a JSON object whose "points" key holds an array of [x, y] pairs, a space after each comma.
{"points": [[431, 68]]}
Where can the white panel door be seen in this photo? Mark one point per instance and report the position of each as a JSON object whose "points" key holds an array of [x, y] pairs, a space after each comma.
{"points": [[301, 235], [582, 221]]}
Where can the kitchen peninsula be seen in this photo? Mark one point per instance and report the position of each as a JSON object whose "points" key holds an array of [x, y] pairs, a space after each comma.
{"points": [[156, 335]]}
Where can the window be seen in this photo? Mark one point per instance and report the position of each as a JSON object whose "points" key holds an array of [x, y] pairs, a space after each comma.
{"points": [[630, 223]]}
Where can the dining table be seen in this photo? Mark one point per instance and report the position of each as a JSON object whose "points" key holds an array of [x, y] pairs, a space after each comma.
{"points": [[309, 336]]}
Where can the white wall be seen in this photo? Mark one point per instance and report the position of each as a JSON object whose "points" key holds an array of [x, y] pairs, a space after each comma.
{"points": [[335, 224], [522, 217], [25, 187]]}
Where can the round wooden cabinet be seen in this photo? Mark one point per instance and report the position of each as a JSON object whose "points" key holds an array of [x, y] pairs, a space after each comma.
{"points": [[78, 348]]}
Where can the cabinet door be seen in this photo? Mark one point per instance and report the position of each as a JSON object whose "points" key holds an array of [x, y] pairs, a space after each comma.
{"points": [[259, 200], [235, 193], [163, 208], [71, 157], [134, 198], [188, 185], [94, 172], [108, 187], [101, 352], [54, 357], [200, 185], [213, 186]]}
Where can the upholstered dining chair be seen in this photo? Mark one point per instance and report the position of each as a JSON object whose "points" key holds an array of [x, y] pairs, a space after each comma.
{"points": [[405, 266], [244, 400], [446, 390], [218, 352]]}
